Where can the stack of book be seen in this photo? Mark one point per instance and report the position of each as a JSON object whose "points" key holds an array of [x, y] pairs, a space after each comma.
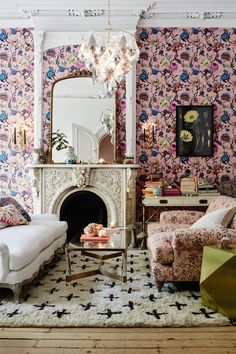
{"points": [[188, 186], [151, 188], [207, 189], [89, 238], [171, 192]]}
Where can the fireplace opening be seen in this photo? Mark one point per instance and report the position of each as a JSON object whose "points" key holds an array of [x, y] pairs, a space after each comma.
{"points": [[81, 208]]}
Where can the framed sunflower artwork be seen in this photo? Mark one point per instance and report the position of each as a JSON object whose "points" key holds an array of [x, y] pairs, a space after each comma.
{"points": [[194, 130]]}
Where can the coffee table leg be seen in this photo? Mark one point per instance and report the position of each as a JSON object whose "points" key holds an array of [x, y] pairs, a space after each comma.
{"points": [[124, 267], [68, 266]]}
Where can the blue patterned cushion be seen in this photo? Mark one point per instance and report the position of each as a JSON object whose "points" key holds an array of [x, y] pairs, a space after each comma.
{"points": [[8, 200]]}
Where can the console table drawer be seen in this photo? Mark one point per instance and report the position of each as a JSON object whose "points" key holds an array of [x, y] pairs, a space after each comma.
{"points": [[195, 201], [163, 201]]}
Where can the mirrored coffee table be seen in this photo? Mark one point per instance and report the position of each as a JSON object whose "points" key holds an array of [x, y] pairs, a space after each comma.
{"points": [[115, 247]]}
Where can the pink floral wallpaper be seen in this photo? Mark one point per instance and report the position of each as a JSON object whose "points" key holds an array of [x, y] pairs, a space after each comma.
{"points": [[176, 67], [181, 67], [16, 110]]}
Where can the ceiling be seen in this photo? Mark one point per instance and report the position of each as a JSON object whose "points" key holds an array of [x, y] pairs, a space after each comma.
{"points": [[82, 15]]}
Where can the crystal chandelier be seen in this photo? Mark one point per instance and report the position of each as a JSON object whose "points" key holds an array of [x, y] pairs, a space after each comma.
{"points": [[109, 58]]}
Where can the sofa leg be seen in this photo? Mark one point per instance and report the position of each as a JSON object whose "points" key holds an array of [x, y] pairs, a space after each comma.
{"points": [[159, 285], [16, 288]]}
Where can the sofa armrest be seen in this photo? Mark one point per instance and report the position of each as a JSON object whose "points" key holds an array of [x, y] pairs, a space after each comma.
{"points": [[180, 216], [198, 238], [4, 261], [44, 216]]}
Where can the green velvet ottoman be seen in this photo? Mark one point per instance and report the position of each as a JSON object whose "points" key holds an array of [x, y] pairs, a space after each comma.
{"points": [[218, 280]]}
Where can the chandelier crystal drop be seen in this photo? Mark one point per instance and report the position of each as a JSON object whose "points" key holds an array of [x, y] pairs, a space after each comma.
{"points": [[109, 57]]}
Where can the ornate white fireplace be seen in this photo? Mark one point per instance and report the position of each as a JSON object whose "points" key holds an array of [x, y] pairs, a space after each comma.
{"points": [[114, 184]]}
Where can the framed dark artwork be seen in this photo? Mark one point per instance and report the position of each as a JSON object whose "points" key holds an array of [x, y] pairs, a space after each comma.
{"points": [[194, 130]]}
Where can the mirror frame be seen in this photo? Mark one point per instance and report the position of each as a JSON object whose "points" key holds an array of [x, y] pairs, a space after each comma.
{"points": [[78, 74]]}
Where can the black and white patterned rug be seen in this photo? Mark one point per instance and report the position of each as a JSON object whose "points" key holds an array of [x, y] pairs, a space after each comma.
{"points": [[101, 302]]}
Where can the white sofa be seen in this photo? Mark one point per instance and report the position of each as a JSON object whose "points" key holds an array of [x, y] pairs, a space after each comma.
{"points": [[24, 249]]}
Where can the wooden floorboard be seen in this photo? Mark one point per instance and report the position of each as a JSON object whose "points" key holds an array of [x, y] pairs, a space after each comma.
{"points": [[199, 340]]}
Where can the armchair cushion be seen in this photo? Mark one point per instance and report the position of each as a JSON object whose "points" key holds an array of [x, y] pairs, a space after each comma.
{"points": [[180, 216], [156, 227], [215, 219], [223, 201]]}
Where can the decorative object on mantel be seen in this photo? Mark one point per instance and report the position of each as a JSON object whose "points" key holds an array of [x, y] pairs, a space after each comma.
{"points": [[109, 58], [70, 155], [59, 140], [101, 160], [129, 160], [42, 156]]}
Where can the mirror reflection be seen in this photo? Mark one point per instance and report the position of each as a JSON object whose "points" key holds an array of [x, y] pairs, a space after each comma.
{"points": [[85, 118]]}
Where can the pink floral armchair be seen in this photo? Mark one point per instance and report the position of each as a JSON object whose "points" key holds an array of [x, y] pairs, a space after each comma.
{"points": [[175, 251]]}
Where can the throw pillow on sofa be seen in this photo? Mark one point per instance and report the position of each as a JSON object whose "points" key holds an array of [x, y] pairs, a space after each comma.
{"points": [[8, 200], [215, 219], [10, 216]]}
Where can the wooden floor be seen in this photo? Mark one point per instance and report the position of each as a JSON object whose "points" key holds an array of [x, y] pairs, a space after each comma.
{"points": [[210, 340]]}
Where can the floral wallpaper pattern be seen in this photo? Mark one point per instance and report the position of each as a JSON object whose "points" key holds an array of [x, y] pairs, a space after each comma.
{"points": [[182, 67], [176, 67], [16, 110]]}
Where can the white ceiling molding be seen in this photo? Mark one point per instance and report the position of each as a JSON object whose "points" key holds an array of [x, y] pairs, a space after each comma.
{"points": [[27, 14], [85, 15], [204, 15]]}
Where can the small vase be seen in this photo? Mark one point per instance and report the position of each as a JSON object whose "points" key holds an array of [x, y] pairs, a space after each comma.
{"points": [[42, 156], [70, 156]]}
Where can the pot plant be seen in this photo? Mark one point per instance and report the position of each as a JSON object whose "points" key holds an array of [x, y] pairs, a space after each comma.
{"points": [[60, 142]]}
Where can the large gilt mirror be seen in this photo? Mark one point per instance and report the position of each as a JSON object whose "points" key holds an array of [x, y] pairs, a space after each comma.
{"points": [[80, 111]]}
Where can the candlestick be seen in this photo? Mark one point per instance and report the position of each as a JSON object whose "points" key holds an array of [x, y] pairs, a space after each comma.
{"points": [[144, 138], [14, 135], [24, 137]]}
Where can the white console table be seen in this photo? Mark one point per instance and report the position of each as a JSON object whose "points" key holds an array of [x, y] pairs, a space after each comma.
{"points": [[175, 201]]}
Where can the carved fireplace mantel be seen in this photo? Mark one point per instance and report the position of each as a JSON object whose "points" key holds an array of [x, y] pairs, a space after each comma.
{"points": [[115, 184]]}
